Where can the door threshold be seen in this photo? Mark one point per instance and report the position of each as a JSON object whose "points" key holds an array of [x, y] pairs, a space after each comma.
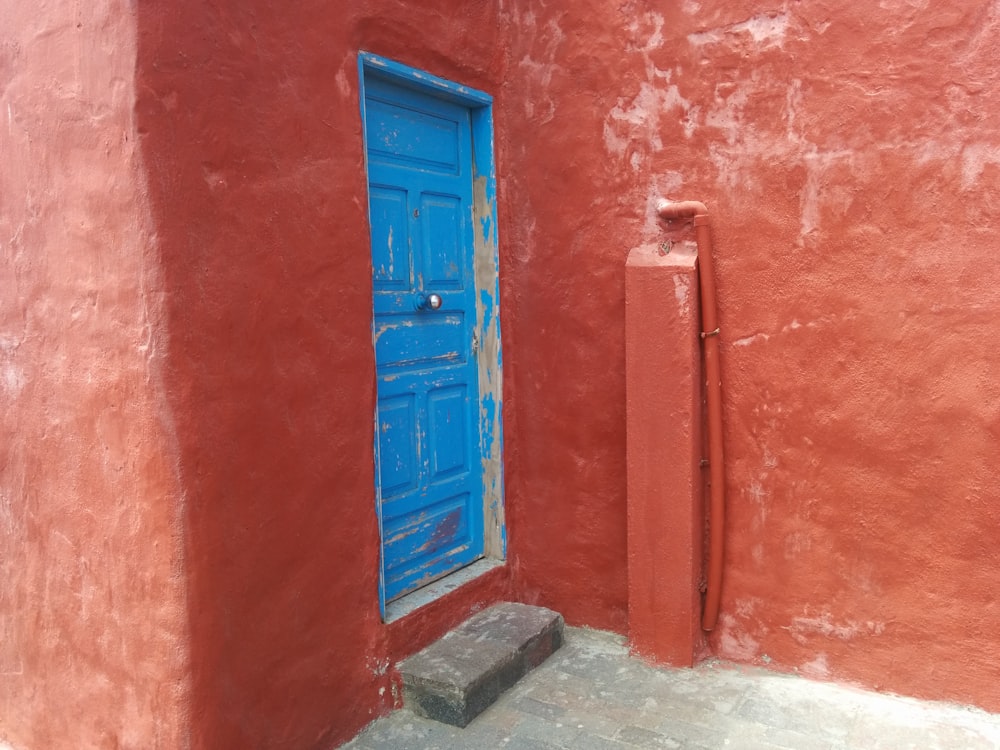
{"points": [[413, 601]]}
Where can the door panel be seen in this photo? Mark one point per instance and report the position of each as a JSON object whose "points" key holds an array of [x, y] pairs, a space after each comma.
{"points": [[444, 249], [448, 441], [390, 255], [420, 203], [410, 339], [409, 137], [398, 460]]}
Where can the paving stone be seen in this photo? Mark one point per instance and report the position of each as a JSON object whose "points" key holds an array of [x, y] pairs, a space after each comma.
{"points": [[639, 737], [811, 717], [455, 678], [500, 717], [584, 741], [539, 708], [690, 701], [693, 734], [559, 688], [528, 743], [539, 728], [919, 733], [403, 731], [788, 740]]}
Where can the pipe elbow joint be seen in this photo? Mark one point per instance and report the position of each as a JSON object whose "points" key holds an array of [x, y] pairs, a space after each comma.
{"points": [[672, 210]]}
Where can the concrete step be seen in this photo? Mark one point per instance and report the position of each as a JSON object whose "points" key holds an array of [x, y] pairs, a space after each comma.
{"points": [[457, 677]]}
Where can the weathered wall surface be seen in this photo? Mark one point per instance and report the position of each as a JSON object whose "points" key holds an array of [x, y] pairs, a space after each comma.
{"points": [[250, 123], [851, 161], [566, 227], [91, 596], [194, 362]]}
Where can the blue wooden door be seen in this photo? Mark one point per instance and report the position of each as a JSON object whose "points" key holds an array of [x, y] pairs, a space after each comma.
{"points": [[429, 476]]}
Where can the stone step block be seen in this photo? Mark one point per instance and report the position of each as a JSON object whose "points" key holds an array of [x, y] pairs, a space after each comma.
{"points": [[457, 677]]}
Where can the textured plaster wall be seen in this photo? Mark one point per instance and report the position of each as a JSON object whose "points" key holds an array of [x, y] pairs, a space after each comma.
{"points": [[249, 119], [852, 162], [567, 223], [91, 592], [189, 546], [187, 502]]}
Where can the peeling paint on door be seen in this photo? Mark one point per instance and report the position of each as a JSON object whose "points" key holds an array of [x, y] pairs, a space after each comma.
{"points": [[435, 328]]}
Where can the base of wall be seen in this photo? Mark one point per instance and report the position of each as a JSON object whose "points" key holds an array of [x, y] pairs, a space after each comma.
{"points": [[664, 451]]}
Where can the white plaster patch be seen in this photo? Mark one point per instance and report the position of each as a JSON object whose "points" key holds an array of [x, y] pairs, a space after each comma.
{"points": [[814, 193], [894, 4], [975, 158], [817, 669], [734, 641], [770, 460], [747, 340], [787, 328], [614, 142], [655, 38], [7, 520], [809, 201], [10, 343], [766, 29], [690, 120], [343, 85], [12, 377], [638, 119], [797, 543], [727, 111], [682, 292], [744, 146], [746, 608], [737, 160], [758, 496], [540, 67], [793, 102], [931, 150], [378, 667], [736, 168], [13, 380], [801, 628]]}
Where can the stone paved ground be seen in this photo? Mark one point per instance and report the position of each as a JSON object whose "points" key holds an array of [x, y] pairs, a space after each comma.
{"points": [[591, 696]]}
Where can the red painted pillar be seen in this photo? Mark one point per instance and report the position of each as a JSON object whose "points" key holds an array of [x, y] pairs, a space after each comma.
{"points": [[665, 515]]}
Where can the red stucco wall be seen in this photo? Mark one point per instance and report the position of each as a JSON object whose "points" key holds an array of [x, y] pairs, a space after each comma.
{"points": [[187, 468], [92, 594], [249, 120], [192, 556], [850, 158]]}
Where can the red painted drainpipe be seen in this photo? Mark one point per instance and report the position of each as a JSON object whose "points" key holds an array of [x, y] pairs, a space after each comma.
{"points": [[713, 397]]}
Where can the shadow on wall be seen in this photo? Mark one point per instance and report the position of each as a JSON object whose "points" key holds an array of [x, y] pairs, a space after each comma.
{"points": [[269, 374], [250, 133]]}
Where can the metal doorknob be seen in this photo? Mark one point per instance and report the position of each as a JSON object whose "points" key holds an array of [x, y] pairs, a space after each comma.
{"points": [[433, 301]]}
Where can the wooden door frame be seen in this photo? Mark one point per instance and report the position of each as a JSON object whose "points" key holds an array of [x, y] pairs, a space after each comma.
{"points": [[486, 262]]}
